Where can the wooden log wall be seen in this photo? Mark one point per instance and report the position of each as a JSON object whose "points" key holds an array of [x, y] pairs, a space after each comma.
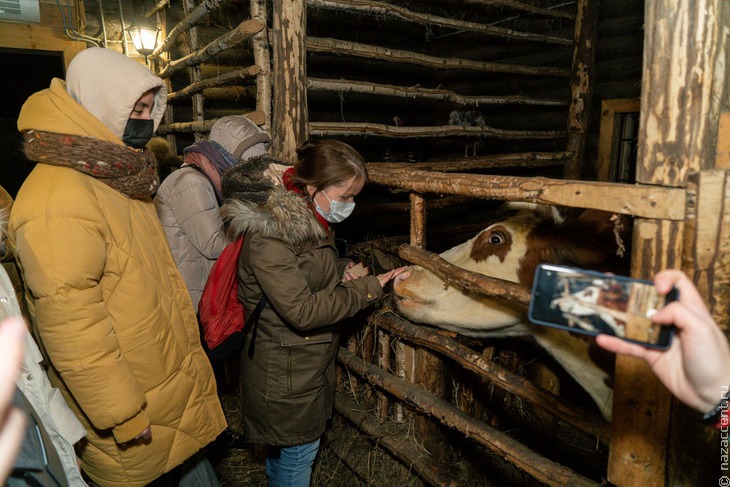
{"points": [[211, 68]]}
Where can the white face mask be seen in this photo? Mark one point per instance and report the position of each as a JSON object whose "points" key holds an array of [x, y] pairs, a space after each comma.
{"points": [[339, 210]]}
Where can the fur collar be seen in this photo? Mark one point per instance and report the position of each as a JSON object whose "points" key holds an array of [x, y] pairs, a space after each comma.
{"points": [[284, 215]]}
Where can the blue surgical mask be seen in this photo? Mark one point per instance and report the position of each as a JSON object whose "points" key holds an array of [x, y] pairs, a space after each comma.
{"points": [[339, 210]]}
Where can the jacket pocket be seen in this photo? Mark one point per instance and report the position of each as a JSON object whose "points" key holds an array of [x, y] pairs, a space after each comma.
{"points": [[289, 339]]}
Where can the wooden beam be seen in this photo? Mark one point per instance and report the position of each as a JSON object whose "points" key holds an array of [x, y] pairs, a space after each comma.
{"points": [[364, 128], [205, 125], [183, 26], [290, 114], [524, 7], [544, 470], [523, 159], [640, 200], [226, 41], [416, 92], [157, 7], [581, 86], [336, 46], [413, 457], [469, 281], [373, 8], [515, 384], [224, 79]]}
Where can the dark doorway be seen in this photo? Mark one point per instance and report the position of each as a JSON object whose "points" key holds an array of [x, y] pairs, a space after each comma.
{"points": [[32, 71]]}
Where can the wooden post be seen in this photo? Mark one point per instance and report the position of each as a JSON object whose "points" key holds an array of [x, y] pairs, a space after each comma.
{"points": [[290, 116], [262, 58], [581, 85], [678, 126], [195, 76]]}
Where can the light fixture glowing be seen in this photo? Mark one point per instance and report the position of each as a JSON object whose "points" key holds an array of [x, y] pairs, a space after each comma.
{"points": [[144, 34]]}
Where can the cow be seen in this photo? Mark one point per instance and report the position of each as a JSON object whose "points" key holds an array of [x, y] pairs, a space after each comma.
{"points": [[510, 249]]}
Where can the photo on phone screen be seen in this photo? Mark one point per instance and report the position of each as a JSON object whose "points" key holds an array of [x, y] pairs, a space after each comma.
{"points": [[591, 302]]}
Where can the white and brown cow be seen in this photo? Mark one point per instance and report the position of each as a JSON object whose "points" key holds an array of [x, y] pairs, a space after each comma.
{"points": [[511, 249]]}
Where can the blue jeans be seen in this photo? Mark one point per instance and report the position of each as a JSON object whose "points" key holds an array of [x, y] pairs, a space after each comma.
{"points": [[291, 466]]}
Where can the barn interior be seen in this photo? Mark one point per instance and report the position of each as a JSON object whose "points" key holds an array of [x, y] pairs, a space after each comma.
{"points": [[458, 106]]}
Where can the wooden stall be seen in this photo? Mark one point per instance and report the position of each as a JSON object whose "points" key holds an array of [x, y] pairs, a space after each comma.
{"points": [[458, 105]]}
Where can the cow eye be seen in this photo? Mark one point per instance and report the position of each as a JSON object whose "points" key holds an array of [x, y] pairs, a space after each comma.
{"points": [[496, 238]]}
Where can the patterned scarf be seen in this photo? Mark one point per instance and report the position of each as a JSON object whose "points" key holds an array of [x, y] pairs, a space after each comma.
{"points": [[130, 172], [212, 159]]}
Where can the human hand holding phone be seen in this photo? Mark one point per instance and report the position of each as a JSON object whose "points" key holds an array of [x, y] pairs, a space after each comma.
{"points": [[696, 367], [592, 303]]}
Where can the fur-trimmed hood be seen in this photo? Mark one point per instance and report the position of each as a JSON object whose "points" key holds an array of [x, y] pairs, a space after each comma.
{"points": [[256, 201]]}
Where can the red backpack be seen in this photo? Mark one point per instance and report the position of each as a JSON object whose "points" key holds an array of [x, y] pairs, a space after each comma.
{"points": [[220, 312]]}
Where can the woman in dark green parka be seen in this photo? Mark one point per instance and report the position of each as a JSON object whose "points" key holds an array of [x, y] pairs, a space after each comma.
{"points": [[288, 256]]}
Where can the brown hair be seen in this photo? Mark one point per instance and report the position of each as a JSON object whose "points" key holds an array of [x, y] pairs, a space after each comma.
{"points": [[326, 162]]}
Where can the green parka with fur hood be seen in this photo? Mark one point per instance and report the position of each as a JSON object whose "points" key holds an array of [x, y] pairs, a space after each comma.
{"points": [[288, 255]]}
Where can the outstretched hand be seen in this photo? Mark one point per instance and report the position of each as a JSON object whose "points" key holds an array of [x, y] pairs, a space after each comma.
{"points": [[696, 367], [386, 277]]}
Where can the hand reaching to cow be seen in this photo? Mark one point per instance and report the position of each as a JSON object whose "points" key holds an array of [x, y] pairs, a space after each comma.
{"points": [[696, 367], [386, 277]]}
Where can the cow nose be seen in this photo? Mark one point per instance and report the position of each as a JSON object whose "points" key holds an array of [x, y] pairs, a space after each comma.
{"points": [[403, 276]]}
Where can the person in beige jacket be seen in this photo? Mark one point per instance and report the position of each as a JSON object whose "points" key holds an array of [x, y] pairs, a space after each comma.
{"points": [[110, 309], [189, 199]]}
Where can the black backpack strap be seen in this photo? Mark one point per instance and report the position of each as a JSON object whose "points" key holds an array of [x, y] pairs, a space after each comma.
{"points": [[253, 320]]}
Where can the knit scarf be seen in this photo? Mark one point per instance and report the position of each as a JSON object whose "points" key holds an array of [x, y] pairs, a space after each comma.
{"points": [[290, 186], [212, 159], [130, 172]]}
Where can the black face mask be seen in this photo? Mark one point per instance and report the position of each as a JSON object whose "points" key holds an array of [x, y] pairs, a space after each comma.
{"points": [[138, 132]]}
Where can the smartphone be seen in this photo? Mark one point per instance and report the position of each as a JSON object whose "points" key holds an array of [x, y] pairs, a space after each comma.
{"points": [[592, 303]]}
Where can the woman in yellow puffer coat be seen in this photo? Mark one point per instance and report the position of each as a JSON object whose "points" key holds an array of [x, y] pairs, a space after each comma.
{"points": [[110, 309]]}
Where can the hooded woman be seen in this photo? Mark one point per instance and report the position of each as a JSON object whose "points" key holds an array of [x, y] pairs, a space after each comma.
{"points": [[110, 309], [189, 199]]}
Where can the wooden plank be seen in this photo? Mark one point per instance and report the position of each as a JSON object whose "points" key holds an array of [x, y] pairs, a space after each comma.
{"points": [[647, 201], [581, 86], [42, 38], [354, 86], [337, 46], [539, 467], [609, 109], [364, 128], [290, 115], [373, 8], [544, 401]]}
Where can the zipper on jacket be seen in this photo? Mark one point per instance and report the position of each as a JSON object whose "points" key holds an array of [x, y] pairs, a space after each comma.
{"points": [[288, 368]]}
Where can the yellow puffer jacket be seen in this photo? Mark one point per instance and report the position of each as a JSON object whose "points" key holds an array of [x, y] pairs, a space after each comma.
{"points": [[111, 310]]}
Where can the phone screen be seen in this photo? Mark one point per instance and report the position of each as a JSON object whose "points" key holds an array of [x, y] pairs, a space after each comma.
{"points": [[591, 302]]}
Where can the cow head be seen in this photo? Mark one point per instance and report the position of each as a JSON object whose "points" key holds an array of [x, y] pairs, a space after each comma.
{"points": [[510, 249]]}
